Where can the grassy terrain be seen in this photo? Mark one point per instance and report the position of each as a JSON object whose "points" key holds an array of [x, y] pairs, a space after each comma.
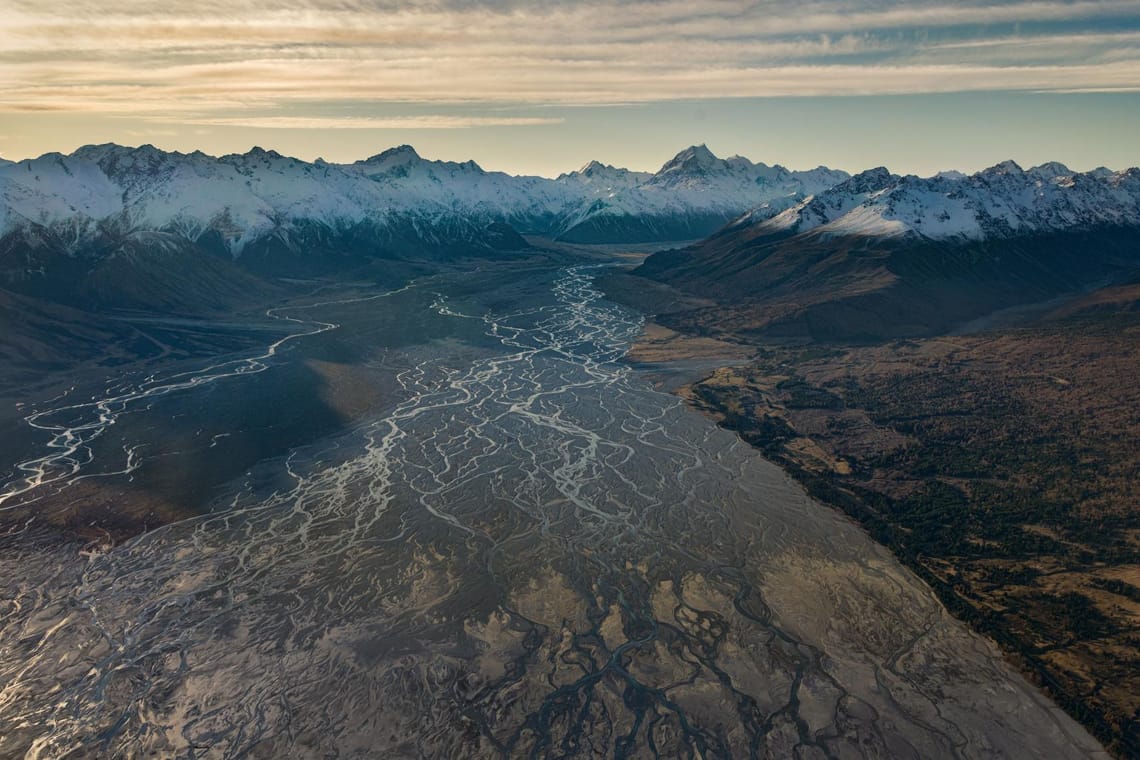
{"points": [[1003, 467]]}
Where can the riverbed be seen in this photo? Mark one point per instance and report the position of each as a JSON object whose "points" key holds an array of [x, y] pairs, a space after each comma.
{"points": [[447, 520]]}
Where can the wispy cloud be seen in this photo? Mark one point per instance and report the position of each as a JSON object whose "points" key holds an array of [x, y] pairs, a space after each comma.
{"points": [[226, 63], [395, 122], [152, 132]]}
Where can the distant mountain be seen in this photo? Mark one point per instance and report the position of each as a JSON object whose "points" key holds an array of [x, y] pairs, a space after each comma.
{"points": [[878, 254], [1000, 202], [235, 202], [105, 206], [143, 228], [691, 196]]}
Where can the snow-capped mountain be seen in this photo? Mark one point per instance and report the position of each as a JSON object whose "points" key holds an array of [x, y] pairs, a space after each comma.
{"points": [[603, 179], [269, 213], [104, 192], [691, 196], [882, 254], [414, 185], [240, 201], [64, 216], [1000, 202], [826, 207]]}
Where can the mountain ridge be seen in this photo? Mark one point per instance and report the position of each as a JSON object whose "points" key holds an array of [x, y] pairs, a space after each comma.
{"points": [[765, 228], [886, 255], [397, 182], [63, 217]]}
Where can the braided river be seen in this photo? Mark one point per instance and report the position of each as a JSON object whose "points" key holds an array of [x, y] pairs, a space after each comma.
{"points": [[456, 524]]}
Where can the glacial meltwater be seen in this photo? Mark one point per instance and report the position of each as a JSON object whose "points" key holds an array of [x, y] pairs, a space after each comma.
{"points": [[447, 521]]}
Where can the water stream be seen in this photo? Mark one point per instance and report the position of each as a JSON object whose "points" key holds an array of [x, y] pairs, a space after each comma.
{"points": [[519, 549]]}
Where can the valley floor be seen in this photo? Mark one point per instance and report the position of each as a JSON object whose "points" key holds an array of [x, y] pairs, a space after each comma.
{"points": [[444, 519], [1001, 467]]}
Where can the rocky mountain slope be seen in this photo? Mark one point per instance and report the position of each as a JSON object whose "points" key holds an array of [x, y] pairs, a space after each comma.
{"points": [[65, 219], [239, 199], [259, 209], [883, 255], [689, 197]]}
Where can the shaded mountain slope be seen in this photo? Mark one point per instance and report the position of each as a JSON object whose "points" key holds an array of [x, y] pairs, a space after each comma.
{"points": [[887, 256]]}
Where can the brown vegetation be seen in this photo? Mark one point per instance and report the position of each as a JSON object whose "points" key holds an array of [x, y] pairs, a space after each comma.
{"points": [[1003, 468]]}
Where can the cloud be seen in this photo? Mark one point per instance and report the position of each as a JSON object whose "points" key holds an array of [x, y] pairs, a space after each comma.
{"points": [[152, 132], [1053, 41], [394, 122], [212, 61], [812, 16], [215, 92]]}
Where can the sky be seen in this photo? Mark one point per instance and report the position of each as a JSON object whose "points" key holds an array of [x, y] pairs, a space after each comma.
{"points": [[544, 86]]}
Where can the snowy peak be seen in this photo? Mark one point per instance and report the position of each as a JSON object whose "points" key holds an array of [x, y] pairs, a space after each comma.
{"points": [[119, 162], [868, 181], [403, 162], [1000, 202], [595, 167], [255, 152], [693, 195], [1005, 200], [401, 155], [1003, 169], [767, 210], [1050, 170], [596, 170], [696, 159], [600, 179], [240, 199], [831, 204]]}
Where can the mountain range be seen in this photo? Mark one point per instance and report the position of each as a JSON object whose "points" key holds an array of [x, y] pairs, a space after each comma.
{"points": [[881, 255], [818, 253], [978, 459], [950, 361], [279, 215]]}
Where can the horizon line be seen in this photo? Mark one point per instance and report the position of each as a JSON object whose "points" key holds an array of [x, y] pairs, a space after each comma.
{"points": [[319, 160]]}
